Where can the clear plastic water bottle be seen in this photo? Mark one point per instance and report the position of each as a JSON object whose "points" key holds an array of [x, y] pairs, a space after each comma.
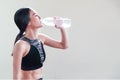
{"points": [[62, 22]]}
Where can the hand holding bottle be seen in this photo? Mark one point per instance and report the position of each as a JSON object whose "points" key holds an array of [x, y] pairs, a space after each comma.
{"points": [[58, 22]]}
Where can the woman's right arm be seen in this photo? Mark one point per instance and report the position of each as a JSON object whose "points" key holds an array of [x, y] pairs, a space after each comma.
{"points": [[18, 51]]}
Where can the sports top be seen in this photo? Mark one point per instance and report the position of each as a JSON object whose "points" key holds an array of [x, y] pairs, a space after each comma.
{"points": [[36, 55]]}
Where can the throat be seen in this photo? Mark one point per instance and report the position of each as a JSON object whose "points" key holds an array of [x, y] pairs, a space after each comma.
{"points": [[31, 37]]}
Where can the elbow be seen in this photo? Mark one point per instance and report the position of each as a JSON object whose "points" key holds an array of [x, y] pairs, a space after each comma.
{"points": [[65, 47]]}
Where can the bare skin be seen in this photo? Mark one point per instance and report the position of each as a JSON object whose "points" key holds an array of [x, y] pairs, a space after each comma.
{"points": [[32, 75], [22, 48]]}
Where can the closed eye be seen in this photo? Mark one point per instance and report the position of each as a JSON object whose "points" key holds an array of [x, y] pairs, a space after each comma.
{"points": [[36, 15]]}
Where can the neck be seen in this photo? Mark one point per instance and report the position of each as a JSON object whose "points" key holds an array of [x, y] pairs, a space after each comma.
{"points": [[31, 34]]}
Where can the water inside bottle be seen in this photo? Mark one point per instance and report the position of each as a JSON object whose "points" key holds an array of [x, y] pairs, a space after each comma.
{"points": [[48, 21], [62, 22]]}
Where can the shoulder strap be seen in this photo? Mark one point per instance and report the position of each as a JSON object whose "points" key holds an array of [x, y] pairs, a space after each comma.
{"points": [[26, 39]]}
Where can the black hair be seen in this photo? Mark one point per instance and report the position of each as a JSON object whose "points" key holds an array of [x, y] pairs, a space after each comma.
{"points": [[21, 19]]}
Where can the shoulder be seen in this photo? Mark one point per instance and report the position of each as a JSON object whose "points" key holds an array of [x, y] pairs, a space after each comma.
{"points": [[43, 37], [20, 47], [20, 44]]}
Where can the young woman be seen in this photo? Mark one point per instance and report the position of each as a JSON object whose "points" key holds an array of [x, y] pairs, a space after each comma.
{"points": [[28, 51]]}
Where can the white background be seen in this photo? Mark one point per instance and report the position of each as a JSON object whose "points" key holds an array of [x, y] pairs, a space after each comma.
{"points": [[94, 38]]}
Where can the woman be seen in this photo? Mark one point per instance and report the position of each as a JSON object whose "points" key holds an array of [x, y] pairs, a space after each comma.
{"points": [[28, 51]]}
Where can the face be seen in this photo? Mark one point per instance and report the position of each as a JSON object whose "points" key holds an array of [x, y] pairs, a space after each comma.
{"points": [[35, 20]]}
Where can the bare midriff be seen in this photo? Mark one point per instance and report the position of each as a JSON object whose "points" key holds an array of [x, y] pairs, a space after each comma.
{"points": [[32, 74]]}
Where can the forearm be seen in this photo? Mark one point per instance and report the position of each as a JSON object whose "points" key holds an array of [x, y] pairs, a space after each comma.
{"points": [[64, 38]]}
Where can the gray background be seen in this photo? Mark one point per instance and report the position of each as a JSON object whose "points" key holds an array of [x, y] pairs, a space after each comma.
{"points": [[94, 41]]}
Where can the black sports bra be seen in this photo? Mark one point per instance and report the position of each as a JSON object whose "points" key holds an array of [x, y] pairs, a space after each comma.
{"points": [[35, 57]]}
